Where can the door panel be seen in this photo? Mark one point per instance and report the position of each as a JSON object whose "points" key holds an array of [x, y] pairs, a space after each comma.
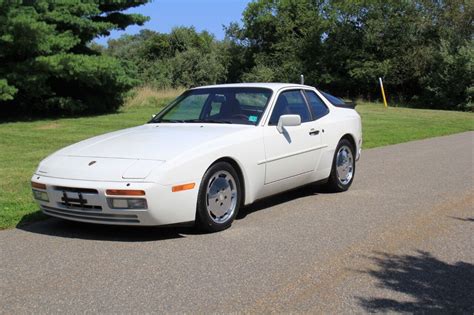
{"points": [[290, 153], [296, 150]]}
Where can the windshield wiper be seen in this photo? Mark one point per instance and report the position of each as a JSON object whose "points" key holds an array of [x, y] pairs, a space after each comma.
{"points": [[212, 121], [171, 121]]}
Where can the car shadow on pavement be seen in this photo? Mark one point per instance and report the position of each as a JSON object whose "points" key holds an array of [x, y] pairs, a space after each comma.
{"points": [[90, 231], [287, 196], [431, 285]]}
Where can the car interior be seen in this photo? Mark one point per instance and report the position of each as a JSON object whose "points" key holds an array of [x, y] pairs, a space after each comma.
{"points": [[228, 107]]}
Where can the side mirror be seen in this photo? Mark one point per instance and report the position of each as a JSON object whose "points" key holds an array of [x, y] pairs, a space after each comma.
{"points": [[288, 121]]}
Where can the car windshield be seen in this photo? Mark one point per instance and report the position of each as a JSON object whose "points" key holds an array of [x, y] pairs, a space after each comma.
{"points": [[217, 105]]}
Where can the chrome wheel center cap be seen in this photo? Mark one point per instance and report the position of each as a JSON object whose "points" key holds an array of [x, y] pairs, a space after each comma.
{"points": [[344, 165]]}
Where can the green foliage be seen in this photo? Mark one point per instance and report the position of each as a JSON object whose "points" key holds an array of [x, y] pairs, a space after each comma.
{"points": [[46, 65], [86, 82], [423, 49], [278, 35], [191, 68], [182, 58], [7, 92], [259, 73], [451, 83]]}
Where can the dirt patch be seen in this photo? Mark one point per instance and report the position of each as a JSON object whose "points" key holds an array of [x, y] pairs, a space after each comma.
{"points": [[53, 125]]}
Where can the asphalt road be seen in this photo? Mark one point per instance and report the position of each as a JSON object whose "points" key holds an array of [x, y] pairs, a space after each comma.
{"points": [[402, 239]]}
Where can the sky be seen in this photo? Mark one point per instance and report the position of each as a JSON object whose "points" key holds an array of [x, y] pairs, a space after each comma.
{"points": [[208, 15]]}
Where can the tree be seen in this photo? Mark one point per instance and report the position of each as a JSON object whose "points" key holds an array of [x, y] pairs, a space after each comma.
{"points": [[422, 48], [183, 58], [46, 63], [278, 33]]}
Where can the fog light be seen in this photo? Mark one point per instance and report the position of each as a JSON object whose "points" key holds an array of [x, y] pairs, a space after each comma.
{"points": [[119, 203], [127, 203], [40, 195], [137, 203]]}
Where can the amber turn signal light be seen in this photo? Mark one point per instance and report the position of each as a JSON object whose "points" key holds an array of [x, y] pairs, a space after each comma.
{"points": [[124, 192], [183, 187], [38, 185]]}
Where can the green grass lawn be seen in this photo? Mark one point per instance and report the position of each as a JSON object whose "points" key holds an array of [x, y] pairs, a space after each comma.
{"points": [[24, 144], [383, 126]]}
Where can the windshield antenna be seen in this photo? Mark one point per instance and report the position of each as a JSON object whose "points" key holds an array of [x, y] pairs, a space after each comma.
{"points": [[302, 79]]}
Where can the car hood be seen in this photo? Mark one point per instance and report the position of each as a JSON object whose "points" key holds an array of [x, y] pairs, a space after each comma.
{"points": [[150, 142], [131, 153]]}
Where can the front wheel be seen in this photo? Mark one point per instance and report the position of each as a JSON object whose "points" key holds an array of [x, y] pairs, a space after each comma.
{"points": [[343, 167], [219, 198]]}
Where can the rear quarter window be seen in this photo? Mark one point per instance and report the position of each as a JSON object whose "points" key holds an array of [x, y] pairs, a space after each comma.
{"points": [[317, 105]]}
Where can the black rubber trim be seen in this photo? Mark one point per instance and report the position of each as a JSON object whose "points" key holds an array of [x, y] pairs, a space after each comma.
{"points": [[100, 217]]}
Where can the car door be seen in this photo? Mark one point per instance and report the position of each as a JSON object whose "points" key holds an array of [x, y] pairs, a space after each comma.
{"points": [[295, 150]]}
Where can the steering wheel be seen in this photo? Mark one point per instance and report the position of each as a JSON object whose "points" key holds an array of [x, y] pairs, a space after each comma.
{"points": [[240, 116]]}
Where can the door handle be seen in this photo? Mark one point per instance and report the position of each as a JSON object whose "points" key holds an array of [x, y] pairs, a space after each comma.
{"points": [[314, 132]]}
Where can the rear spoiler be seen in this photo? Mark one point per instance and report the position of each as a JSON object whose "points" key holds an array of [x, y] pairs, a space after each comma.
{"points": [[351, 105]]}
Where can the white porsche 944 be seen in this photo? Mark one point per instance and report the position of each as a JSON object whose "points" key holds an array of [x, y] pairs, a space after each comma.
{"points": [[211, 151]]}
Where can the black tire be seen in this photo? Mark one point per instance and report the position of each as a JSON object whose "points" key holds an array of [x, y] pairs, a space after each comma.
{"points": [[205, 220], [334, 184]]}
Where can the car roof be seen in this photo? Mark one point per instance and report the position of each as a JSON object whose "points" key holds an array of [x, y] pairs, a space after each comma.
{"points": [[272, 86]]}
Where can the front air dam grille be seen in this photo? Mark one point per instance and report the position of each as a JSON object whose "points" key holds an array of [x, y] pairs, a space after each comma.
{"points": [[91, 216]]}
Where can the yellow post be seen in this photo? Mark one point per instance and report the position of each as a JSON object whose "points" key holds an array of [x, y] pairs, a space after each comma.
{"points": [[383, 93]]}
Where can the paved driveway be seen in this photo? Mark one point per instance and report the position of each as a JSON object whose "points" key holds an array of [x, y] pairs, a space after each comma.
{"points": [[402, 239]]}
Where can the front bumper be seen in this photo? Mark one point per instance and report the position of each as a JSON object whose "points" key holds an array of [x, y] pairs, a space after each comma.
{"points": [[164, 206]]}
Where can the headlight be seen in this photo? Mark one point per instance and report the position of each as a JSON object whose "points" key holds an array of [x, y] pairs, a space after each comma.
{"points": [[40, 195], [127, 203]]}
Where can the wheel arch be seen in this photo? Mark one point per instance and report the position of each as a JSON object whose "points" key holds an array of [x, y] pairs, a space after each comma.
{"points": [[239, 171], [351, 139]]}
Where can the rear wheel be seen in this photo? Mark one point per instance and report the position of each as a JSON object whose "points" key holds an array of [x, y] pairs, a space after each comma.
{"points": [[343, 167], [219, 198]]}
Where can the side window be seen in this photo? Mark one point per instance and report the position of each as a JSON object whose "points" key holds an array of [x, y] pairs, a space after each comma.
{"points": [[290, 103], [317, 105]]}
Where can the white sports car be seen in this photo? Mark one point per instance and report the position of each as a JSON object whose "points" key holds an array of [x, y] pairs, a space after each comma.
{"points": [[204, 156]]}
